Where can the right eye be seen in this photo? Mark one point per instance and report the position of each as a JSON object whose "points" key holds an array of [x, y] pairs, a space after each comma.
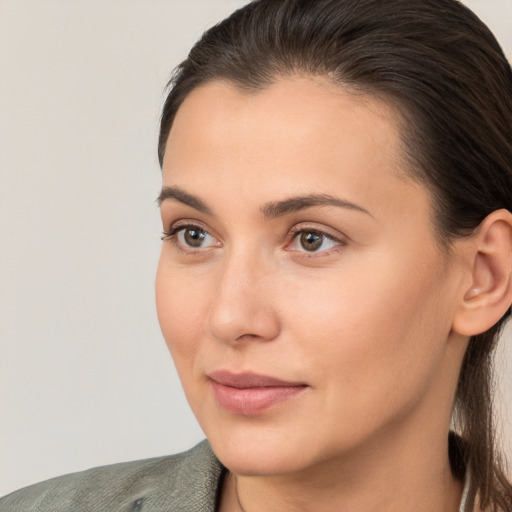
{"points": [[191, 237]]}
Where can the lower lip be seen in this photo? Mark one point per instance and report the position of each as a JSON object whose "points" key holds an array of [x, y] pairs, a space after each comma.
{"points": [[252, 401]]}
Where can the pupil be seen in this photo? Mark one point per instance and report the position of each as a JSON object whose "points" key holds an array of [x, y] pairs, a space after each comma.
{"points": [[194, 237], [311, 241]]}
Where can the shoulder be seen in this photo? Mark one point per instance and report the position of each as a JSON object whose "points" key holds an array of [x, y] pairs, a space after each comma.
{"points": [[183, 482]]}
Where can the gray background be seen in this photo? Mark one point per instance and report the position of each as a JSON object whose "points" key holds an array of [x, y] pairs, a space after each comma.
{"points": [[85, 377]]}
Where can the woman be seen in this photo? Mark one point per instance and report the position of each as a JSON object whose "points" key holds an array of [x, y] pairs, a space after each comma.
{"points": [[336, 265]]}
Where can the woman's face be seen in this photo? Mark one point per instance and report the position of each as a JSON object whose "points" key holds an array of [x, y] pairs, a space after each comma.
{"points": [[300, 288]]}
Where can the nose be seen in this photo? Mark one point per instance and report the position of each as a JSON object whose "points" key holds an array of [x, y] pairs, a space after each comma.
{"points": [[242, 307]]}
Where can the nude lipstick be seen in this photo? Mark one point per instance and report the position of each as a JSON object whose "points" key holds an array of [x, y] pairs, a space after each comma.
{"points": [[249, 394]]}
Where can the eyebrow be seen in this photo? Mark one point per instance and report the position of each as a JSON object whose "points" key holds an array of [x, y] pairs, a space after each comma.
{"points": [[181, 196], [270, 210], [295, 204]]}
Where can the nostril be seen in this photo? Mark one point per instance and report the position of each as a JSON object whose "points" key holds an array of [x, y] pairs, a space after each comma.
{"points": [[243, 324], [248, 336]]}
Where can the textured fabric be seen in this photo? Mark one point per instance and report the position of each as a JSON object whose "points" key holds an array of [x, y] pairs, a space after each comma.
{"points": [[187, 482]]}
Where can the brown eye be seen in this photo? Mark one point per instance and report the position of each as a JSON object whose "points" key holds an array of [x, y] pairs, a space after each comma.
{"points": [[191, 237], [311, 241], [194, 237]]}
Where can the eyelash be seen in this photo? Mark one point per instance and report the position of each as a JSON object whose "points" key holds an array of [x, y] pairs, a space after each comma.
{"points": [[170, 236], [167, 235]]}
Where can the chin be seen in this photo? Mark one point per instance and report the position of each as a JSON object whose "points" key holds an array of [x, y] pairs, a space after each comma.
{"points": [[260, 460], [261, 450]]}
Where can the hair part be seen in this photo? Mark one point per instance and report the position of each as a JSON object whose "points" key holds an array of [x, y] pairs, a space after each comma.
{"points": [[446, 73]]}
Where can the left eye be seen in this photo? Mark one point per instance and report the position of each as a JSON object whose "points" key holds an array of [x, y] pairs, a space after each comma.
{"points": [[312, 241]]}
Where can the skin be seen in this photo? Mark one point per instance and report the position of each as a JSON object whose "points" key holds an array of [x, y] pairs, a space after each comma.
{"points": [[365, 322]]}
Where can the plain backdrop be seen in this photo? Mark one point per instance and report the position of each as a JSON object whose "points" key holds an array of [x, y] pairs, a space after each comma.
{"points": [[85, 377]]}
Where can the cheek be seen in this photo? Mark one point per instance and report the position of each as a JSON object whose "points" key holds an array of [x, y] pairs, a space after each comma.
{"points": [[182, 304], [378, 329]]}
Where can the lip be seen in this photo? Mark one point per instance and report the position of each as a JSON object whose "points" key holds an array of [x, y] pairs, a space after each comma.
{"points": [[249, 394]]}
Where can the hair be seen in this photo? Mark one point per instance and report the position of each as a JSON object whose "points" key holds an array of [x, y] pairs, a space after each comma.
{"points": [[442, 68]]}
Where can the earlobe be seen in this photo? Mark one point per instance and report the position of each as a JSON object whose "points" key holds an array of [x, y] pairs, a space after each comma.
{"points": [[489, 294]]}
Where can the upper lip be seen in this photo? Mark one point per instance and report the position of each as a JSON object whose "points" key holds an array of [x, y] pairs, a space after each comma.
{"points": [[249, 380]]}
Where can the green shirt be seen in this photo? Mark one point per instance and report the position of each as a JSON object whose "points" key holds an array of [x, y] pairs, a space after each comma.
{"points": [[187, 482]]}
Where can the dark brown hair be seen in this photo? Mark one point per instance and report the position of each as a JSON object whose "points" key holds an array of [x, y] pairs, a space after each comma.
{"points": [[449, 79]]}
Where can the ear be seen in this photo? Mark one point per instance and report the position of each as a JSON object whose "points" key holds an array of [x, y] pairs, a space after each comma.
{"points": [[489, 293]]}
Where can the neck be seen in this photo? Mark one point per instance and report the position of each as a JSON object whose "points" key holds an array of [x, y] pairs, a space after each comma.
{"points": [[394, 473]]}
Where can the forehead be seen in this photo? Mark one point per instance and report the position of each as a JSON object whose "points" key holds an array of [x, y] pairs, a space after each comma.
{"points": [[298, 135], [303, 106]]}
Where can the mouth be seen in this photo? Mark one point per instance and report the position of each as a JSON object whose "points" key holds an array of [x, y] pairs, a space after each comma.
{"points": [[249, 394]]}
